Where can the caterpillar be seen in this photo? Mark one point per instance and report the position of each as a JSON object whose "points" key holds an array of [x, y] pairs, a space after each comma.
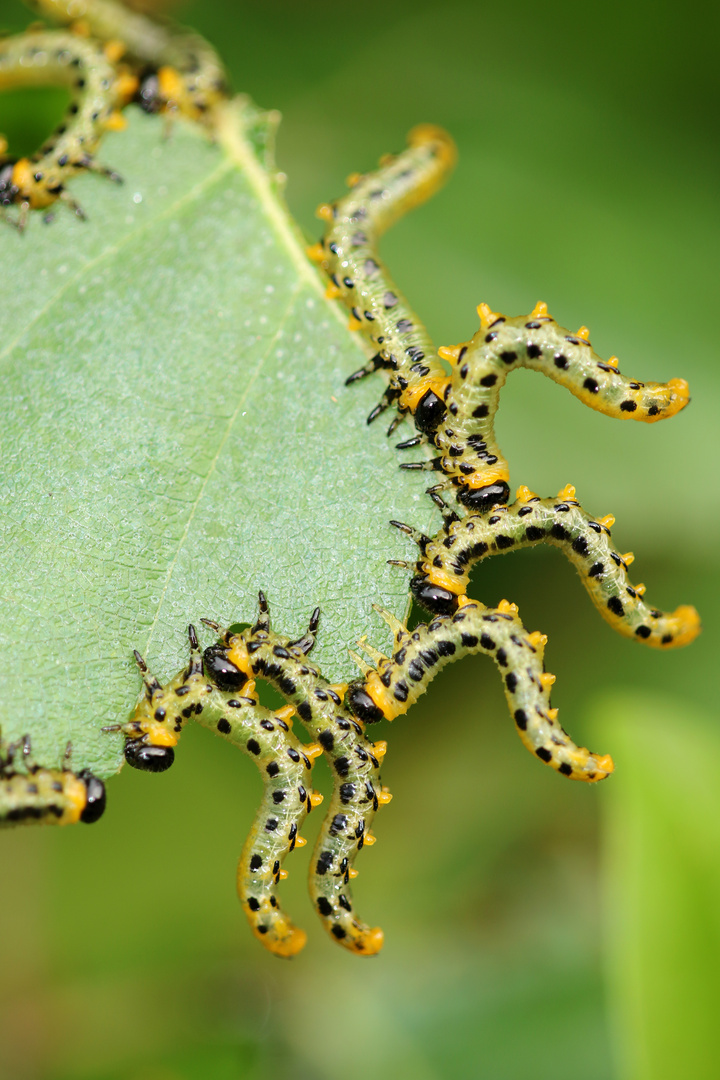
{"points": [[98, 91], [212, 697], [38, 796], [442, 572], [354, 762], [178, 70], [285, 765], [348, 253], [164, 68], [392, 686], [456, 413]]}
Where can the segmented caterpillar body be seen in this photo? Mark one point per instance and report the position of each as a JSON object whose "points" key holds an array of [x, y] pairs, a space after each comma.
{"points": [[284, 763], [395, 683], [97, 90], [354, 762], [456, 414], [162, 67], [443, 571], [178, 69], [218, 699], [348, 253], [36, 796]]}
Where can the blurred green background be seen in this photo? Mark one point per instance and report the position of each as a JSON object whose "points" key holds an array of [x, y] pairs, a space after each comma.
{"points": [[534, 928]]}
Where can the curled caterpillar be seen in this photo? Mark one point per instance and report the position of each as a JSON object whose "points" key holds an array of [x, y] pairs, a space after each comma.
{"points": [[394, 684], [285, 765], [442, 572], [177, 68], [98, 91], [354, 762], [37, 796], [456, 414]]}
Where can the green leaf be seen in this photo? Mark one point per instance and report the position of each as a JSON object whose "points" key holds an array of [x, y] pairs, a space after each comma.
{"points": [[177, 435], [663, 910]]}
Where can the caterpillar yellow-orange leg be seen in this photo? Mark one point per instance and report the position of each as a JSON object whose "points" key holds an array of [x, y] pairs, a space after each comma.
{"points": [[397, 682], [354, 764], [442, 572]]}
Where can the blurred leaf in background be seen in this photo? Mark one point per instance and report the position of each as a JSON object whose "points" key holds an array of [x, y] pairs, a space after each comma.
{"points": [[588, 178], [663, 873]]}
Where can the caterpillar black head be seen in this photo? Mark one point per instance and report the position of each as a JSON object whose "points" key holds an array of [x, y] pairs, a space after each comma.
{"points": [[220, 668], [8, 188], [484, 498], [154, 728], [148, 756], [96, 797], [433, 597], [362, 704], [429, 413]]}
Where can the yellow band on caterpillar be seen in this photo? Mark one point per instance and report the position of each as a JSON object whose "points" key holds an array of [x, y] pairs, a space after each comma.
{"points": [[451, 582], [493, 474], [413, 394], [76, 795], [388, 705]]}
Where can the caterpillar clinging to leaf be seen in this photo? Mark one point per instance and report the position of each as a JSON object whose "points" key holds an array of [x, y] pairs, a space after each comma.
{"points": [[107, 58], [32, 795], [443, 570], [98, 91], [393, 685], [456, 413], [177, 69], [222, 698]]}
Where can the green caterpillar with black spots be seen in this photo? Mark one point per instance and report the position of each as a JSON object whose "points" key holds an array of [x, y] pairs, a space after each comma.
{"points": [[455, 412], [33, 795], [218, 690], [107, 58]]}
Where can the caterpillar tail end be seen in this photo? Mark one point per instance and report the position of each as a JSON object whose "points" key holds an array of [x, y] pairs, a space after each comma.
{"points": [[678, 393], [680, 628], [432, 133], [287, 940], [367, 943], [590, 768]]}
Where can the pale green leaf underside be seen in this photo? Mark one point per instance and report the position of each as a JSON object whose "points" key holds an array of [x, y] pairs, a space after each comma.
{"points": [[177, 435]]}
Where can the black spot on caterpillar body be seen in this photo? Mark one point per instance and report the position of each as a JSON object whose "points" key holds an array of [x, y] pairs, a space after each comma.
{"points": [[39, 796], [442, 572], [98, 90], [395, 683], [284, 763], [457, 414]]}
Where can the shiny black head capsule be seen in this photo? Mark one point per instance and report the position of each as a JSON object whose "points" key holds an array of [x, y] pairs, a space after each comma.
{"points": [[429, 413], [433, 597], [224, 674], [148, 758], [483, 499], [8, 189], [363, 705], [96, 797]]}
